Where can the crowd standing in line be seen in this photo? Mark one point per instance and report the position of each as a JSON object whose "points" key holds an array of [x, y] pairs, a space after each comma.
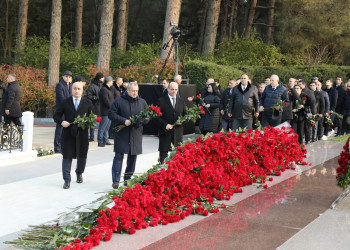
{"points": [[312, 111]]}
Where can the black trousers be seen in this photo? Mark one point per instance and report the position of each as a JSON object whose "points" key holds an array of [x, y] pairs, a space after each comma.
{"points": [[317, 130], [307, 130], [1, 110], [57, 139], [267, 119], [15, 120], [162, 156], [67, 165], [340, 126]]}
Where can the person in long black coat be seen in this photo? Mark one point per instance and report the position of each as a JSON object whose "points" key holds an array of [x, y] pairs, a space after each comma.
{"points": [[226, 98], [3, 89], [63, 91], [347, 109], [287, 114], [129, 139], [168, 133], [92, 93], [309, 108], [74, 141], [12, 98], [339, 86], [209, 122], [106, 99], [333, 99], [320, 111]]}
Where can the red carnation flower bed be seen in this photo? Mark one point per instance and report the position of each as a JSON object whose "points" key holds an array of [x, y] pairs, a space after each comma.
{"points": [[343, 171], [209, 169]]}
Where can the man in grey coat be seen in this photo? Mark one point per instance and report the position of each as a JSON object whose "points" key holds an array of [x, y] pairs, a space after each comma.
{"points": [[245, 103], [129, 139]]}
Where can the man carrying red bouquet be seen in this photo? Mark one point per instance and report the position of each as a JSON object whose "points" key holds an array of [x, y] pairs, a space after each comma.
{"points": [[129, 139], [172, 107], [74, 140]]}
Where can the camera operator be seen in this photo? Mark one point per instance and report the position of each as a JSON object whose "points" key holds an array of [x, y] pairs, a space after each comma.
{"points": [[3, 89]]}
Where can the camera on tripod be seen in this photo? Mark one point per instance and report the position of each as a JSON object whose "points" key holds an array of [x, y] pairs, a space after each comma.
{"points": [[175, 32]]}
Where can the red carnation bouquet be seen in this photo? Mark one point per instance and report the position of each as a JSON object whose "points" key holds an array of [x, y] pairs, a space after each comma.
{"points": [[148, 114], [200, 98], [300, 102], [192, 114], [87, 121], [280, 104]]}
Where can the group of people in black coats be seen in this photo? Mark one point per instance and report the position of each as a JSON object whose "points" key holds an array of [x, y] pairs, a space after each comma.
{"points": [[311, 111], [314, 111], [71, 102]]}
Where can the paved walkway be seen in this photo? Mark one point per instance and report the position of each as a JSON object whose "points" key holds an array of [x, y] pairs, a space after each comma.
{"points": [[292, 214]]}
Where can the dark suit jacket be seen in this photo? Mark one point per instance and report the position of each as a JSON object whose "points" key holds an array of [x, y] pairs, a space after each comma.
{"points": [[73, 147], [170, 116], [63, 91], [310, 102]]}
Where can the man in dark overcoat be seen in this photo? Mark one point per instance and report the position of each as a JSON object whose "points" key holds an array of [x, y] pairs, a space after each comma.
{"points": [[63, 91], [226, 98], [244, 104], [92, 93], [273, 93], [3, 89], [172, 106], [129, 139], [12, 98], [74, 140]]}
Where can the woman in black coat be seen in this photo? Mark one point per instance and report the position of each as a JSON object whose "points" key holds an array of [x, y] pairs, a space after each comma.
{"points": [[209, 122]]}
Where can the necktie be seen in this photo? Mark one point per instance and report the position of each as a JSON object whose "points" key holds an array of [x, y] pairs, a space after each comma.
{"points": [[243, 88], [174, 102], [230, 91], [76, 103]]}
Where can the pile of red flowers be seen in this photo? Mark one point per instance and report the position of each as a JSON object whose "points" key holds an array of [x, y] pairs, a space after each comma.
{"points": [[147, 114], [343, 171], [212, 168]]}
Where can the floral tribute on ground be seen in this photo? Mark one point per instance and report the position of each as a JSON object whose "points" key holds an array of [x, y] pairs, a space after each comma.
{"points": [[198, 175], [343, 171]]}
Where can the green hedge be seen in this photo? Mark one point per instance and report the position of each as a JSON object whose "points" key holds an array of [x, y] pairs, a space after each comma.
{"points": [[199, 72]]}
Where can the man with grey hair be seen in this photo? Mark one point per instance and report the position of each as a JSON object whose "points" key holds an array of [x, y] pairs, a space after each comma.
{"points": [[244, 104], [12, 100], [75, 141], [129, 139], [178, 79], [273, 94]]}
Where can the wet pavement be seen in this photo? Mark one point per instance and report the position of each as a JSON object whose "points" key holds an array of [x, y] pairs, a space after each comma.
{"points": [[265, 220]]}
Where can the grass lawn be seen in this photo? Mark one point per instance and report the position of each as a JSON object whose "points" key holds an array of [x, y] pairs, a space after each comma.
{"points": [[340, 138]]}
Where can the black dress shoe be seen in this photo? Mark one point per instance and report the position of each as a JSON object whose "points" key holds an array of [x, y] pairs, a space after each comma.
{"points": [[79, 178], [66, 185], [108, 143], [100, 145], [125, 183], [115, 185], [91, 139]]}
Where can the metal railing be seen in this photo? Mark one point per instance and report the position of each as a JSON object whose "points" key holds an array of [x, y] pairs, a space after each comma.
{"points": [[11, 137]]}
